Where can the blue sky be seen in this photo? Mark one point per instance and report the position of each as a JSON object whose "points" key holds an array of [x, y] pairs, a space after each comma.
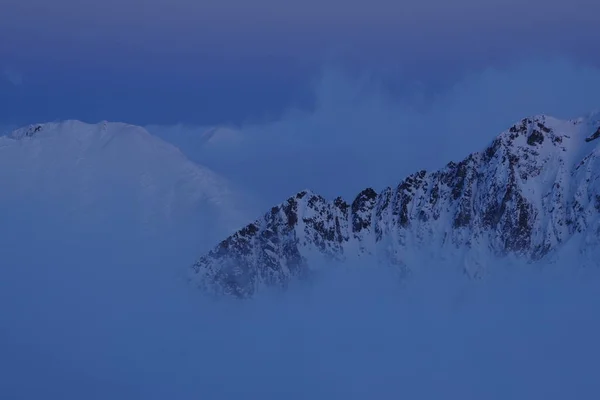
{"points": [[215, 61]]}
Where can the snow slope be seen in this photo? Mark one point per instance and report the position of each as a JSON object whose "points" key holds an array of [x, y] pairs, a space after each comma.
{"points": [[533, 193], [104, 176]]}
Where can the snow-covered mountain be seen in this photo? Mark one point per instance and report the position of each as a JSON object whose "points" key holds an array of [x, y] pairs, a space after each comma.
{"points": [[98, 175], [533, 191]]}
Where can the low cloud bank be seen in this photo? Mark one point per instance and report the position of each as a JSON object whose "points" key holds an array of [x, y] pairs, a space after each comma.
{"points": [[361, 133], [110, 317]]}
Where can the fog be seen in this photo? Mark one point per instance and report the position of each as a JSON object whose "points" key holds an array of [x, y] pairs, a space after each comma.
{"points": [[110, 316], [98, 308], [365, 132]]}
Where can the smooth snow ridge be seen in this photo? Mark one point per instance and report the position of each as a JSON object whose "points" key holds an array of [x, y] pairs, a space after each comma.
{"points": [[100, 175]]}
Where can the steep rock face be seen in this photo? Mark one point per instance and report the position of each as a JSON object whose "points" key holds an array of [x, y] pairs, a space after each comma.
{"points": [[535, 187]]}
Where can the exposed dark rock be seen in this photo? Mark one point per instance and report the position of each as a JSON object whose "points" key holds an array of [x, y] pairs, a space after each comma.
{"points": [[484, 199], [361, 208], [536, 137], [594, 136]]}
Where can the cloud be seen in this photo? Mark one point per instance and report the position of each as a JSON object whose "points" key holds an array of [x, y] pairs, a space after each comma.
{"points": [[93, 315], [12, 76], [361, 133], [104, 317]]}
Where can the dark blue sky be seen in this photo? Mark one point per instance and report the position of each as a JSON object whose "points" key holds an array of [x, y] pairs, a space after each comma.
{"points": [[212, 61]]}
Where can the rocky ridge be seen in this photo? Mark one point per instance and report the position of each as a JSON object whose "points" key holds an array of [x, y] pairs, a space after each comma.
{"points": [[532, 189]]}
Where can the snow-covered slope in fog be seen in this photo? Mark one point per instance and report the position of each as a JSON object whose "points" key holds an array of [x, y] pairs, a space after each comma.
{"points": [[533, 191], [201, 143], [107, 175]]}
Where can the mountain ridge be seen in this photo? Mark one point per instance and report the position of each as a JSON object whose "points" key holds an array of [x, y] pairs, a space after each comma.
{"points": [[95, 171], [534, 187]]}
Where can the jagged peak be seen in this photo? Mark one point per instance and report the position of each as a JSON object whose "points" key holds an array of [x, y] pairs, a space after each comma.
{"points": [[512, 198], [528, 134], [305, 193], [532, 132], [366, 194]]}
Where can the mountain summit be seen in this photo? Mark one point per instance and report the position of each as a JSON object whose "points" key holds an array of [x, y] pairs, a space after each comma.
{"points": [[532, 190], [101, 175]]}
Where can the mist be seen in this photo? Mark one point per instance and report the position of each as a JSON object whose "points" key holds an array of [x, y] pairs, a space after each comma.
{"points": [[112, 317], [364, 132], [98, 308]]}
